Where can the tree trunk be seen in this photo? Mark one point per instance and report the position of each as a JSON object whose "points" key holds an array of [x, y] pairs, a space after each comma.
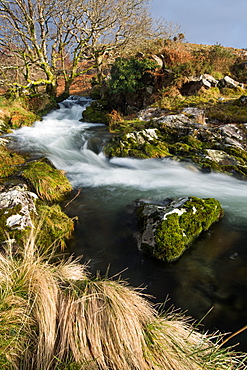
{"points": [[51, 89]]}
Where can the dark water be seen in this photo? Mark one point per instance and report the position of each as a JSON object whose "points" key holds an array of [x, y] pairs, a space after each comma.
{"points": [[211, 276]]}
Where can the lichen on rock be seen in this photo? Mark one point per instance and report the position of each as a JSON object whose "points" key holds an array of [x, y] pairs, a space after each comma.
{"points": [[17, 208], [168, 228]]}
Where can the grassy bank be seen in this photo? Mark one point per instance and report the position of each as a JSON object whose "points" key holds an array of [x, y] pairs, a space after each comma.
{"points": [[54, 316]]}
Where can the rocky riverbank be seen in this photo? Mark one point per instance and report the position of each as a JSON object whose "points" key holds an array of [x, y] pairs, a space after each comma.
{"points": [[30, 189]]}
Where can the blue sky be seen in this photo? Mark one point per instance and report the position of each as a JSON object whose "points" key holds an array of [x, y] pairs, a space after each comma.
{"points": [[207, 21]]}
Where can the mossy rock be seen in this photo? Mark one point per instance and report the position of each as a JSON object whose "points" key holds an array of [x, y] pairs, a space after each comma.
{"points": [[49, 183], [168, 229], [17, 209], [6, 232], [22, 117], [96, 112], [138, 144]]}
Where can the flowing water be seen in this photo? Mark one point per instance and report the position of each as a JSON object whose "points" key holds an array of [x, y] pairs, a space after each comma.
{"points": [[211, 276]]}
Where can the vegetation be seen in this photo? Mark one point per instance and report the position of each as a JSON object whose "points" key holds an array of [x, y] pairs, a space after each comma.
{"points": [[42, 41], [49, 183], [175, 230], [20, 210], [9, 162], [53, 316], [57, 227], [128, 75]]}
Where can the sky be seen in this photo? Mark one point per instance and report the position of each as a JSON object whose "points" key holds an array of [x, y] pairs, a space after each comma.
{"points": [[207, 22]]}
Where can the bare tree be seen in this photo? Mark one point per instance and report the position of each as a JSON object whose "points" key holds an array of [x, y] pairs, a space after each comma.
{"points": [[46, 33]]}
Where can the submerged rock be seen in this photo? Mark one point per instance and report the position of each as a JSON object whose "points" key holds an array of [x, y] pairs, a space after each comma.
{"points": [[169, 227]]}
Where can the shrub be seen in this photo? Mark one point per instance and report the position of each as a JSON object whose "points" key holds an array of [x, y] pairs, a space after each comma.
{"points": [[127, 74]]}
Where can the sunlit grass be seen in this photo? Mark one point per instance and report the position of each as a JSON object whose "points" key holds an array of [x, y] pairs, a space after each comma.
{"points": [[49, 183], [9, 161], [54, 316]]}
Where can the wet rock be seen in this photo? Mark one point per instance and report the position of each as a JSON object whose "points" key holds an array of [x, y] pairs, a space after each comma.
{"points": [[186, 136], [221, 157], [142, 136], [139, 144], [96, 112], [169, 227]]}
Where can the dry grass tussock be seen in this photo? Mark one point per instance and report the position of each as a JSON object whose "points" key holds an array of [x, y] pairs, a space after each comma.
{"points": [[53, 316]]}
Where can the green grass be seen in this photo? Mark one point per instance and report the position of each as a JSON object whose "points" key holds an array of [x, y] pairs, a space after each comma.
{"points": [[9, 162], [49, 183]]}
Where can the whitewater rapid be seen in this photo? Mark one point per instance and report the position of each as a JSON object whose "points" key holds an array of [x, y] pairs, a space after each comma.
{"points": [[75, 147]]}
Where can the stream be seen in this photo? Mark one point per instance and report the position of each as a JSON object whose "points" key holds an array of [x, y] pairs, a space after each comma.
{"points": [[209, 281]]}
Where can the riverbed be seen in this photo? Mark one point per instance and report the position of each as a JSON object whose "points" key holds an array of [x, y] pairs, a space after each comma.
{"points": [[209, 281]]}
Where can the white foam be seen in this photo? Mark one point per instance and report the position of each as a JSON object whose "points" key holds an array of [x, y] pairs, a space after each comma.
{"points": [[63, 139]]}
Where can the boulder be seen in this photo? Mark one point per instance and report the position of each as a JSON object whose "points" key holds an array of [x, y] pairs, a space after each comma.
{"points": [[158, 60], [196, 114], [194, 84], [149, 113], [221, 157], [169, 227], [230, 83], [208, 79], [17, 204], [139, 144]]}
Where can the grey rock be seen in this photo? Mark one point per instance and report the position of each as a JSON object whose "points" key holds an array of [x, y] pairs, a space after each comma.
{"points": [[158, 60], [230, 82]]}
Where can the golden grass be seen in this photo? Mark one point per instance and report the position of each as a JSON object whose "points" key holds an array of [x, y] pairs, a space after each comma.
{"points": [[53, 316]]}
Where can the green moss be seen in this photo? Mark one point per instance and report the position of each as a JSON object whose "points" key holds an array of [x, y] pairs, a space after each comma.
{"points": [[128, 125], [54, 225], [180, 149], [49, 183], [138, 145], [95, 116], [177, 231], [9, 162], [96, 112], [227, 112], [193, 142]]}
